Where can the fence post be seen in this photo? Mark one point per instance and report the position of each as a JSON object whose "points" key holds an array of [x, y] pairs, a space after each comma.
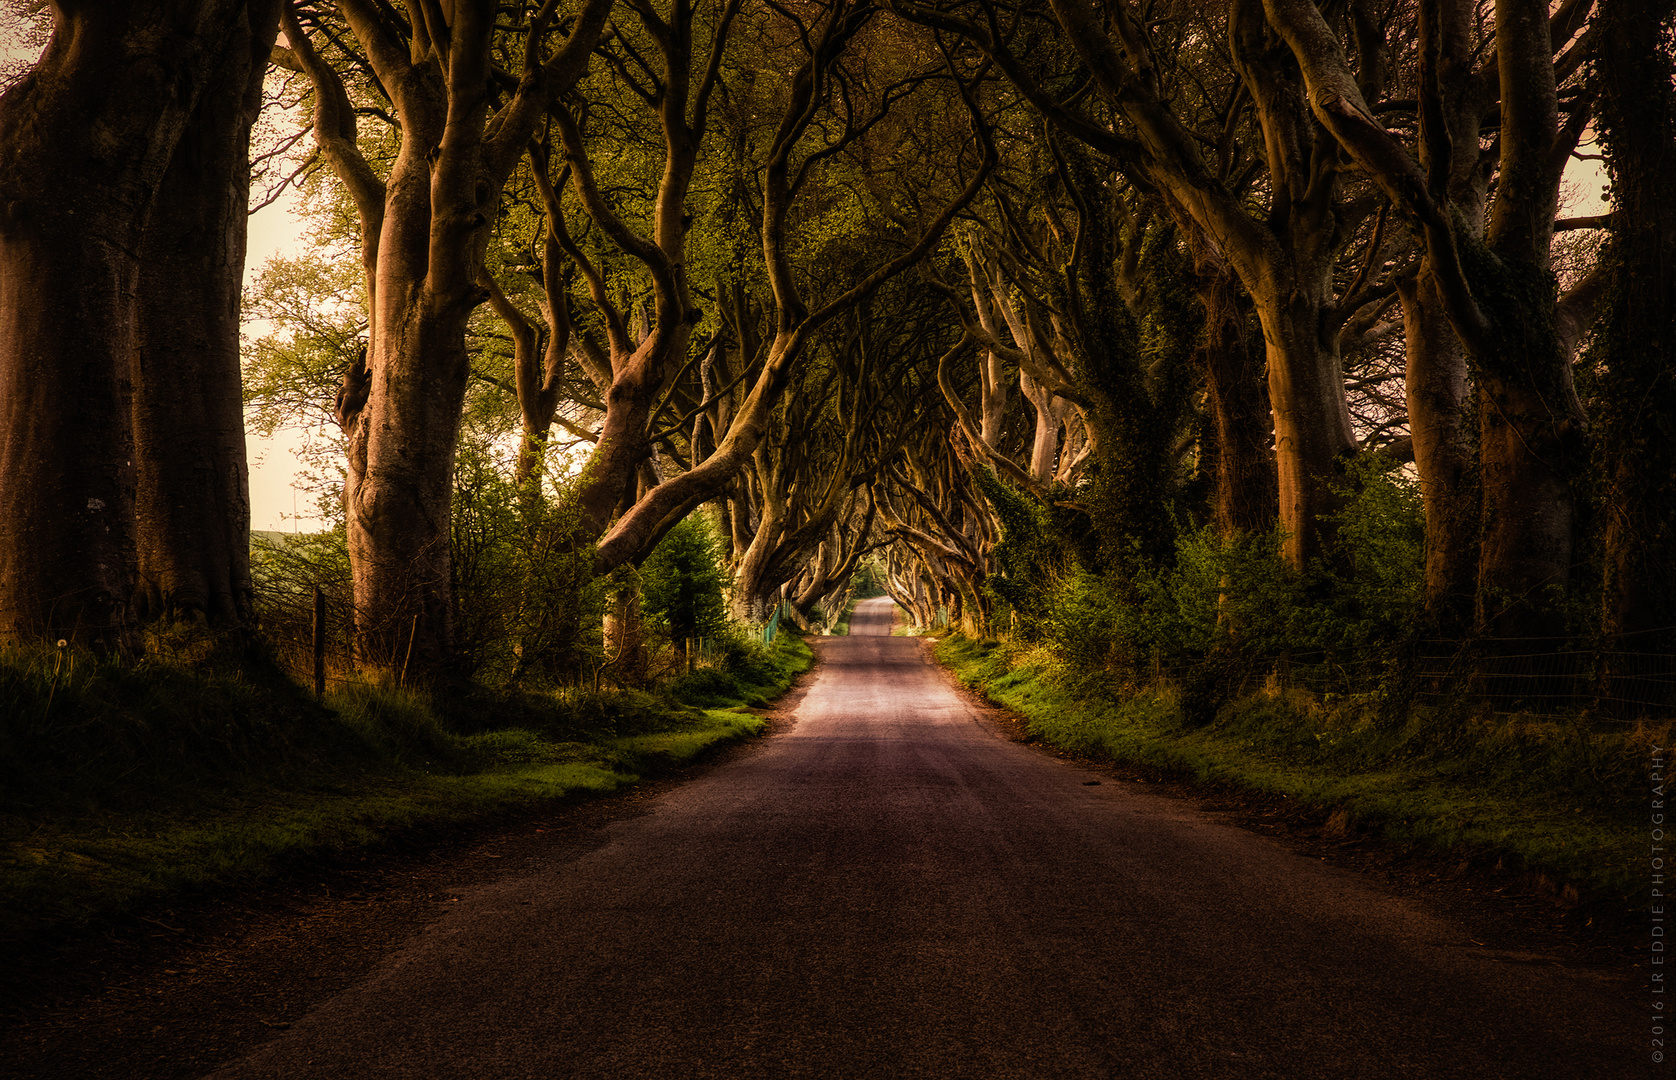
{"points": [[319, 643], [408, 659]]}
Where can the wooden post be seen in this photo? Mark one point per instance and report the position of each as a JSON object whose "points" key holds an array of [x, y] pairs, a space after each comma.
{"points": [[408, 659], [319, 643]]}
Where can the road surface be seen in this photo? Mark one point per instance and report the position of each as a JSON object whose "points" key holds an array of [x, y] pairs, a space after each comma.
{"points": [[891, 890]]}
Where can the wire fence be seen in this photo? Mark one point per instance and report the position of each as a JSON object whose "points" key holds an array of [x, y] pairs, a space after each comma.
{"points": [[772, 626], [1623, 678]]}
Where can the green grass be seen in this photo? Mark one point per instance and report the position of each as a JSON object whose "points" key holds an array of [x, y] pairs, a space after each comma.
{"points": [[1533, 795], [123, 787]]}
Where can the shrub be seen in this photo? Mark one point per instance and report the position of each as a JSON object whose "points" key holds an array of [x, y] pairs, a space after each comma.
{"points": [[681, 582]]}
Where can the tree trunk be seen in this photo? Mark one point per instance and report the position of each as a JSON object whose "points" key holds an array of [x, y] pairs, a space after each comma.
{"points": [[1530, 450], [1312, 433], [193, 506], [750, 583], [400, 508], [1245, 477], [1050, 419], [88, 136], [424, 233], [1638, 341], [1436, 383], [625, 635]]}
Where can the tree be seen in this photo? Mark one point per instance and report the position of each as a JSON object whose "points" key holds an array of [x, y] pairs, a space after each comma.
{"points": [[424, 230], [786, 174], [193, 488], [1284, 258], [1493, 282], [1636, 347], [681, 581], [90, 134]]}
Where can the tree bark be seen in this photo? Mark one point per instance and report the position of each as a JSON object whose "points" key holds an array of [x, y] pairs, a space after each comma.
{"points": [[750, 575], [1233, 369], [1436, 384], [1284, 263], [88, 134], [1312, 433], [193, 505], [1638, 341], [1499, 292]]}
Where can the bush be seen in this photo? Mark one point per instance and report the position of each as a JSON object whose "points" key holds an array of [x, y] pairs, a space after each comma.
{"points": [[527, 603], [1231, 601], [681, 582]]}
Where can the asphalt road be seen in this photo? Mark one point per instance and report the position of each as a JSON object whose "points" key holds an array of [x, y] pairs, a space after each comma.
{"points": [[890, 889]]}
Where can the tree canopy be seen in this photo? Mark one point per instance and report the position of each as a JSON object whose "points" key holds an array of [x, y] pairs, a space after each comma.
{"points": [[1047, 308]]}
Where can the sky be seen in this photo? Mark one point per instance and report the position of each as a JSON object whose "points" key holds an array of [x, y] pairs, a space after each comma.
{"points": [[275, 503]]}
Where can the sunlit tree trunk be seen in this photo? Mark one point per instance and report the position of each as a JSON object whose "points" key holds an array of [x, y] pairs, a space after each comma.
{"points": [[425, 229], [1436, 385], [1498, 292], [750, 576]]}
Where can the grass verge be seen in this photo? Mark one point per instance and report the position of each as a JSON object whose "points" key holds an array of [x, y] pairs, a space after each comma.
{"points": [[1521, 794], [123, 787]]}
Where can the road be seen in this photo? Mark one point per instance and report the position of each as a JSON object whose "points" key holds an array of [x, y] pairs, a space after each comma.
{"points": [[889, 889]]}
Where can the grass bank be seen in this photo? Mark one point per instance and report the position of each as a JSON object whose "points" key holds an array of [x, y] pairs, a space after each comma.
{"points": [[1525, 794], [127, 786]]}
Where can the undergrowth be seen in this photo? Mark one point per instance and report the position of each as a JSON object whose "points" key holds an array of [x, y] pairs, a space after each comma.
{"points": [[1528, 793], [205, 766]]}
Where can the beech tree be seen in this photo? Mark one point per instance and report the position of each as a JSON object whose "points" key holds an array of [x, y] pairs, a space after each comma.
{"points": [[193, 497], [815, 125], [464, 126], [1283, 257], [91, 135], [1488, 269], [805, 490], [1634, 68]]}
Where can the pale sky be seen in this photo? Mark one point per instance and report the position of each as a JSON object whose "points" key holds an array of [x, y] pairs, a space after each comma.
{"points": [[273, 466]]}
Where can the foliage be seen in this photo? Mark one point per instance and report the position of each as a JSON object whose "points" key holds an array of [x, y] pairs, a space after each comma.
{"points": [[1235, 596], [312, 322], [1382, 532], [681, 581], [1034, 551], [868, 580], [124, 786], [1532, 794], [527, 604]]}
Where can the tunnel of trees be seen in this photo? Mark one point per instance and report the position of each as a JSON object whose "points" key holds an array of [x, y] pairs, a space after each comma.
{"points": [[1192, 341]]}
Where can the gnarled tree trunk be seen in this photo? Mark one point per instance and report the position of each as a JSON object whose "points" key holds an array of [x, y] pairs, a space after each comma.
{"points": [[424, 233], [1233, 370], [1638, 340]]}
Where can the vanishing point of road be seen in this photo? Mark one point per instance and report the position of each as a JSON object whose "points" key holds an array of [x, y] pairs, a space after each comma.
{"points": [[891, 890]]}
